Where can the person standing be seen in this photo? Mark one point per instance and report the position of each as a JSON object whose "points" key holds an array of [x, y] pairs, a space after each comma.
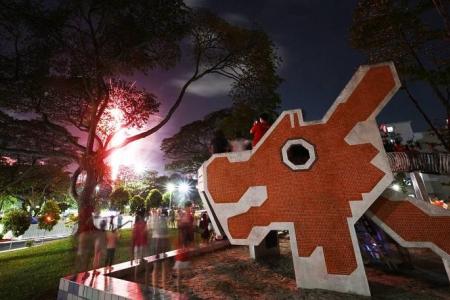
{"points": [[204, 227], [99, 247], [111, 243], [259, 128], [219, 144], [160, 240], [139, 237]]}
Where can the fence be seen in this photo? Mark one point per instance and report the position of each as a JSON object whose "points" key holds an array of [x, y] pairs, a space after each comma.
{"points": [[432, 163]]}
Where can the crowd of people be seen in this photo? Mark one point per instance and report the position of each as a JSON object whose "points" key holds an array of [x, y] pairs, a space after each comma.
{"points": [[150, 236], [150, 233]]}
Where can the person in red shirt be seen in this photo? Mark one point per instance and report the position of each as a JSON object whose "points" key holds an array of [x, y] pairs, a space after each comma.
{"points": [[259, 128], [139, 237]]}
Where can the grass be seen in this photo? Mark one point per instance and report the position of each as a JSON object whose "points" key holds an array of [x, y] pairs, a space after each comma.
{"points": [[34, 273]]}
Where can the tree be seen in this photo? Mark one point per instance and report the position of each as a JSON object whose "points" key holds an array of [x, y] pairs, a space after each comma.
{"points": [[166, 199], [49, 215], [17, 221], [33, 183], [154, 199], [65, 62], [401, 31], [134, 183], [120, 197], [188, 148], [137, 205]]}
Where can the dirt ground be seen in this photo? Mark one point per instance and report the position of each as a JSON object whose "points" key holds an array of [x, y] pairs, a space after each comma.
{"points": [[230, 274]]}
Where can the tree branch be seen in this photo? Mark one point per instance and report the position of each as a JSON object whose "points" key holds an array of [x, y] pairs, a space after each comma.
{"points": [[172, 110], [20, 177], [38, 154]]}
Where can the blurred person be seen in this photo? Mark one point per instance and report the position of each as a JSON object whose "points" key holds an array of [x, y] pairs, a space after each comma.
{"points": [[85, 247], [139, 239], [240, 143], [172, 218], [85, 250], [119, 221], [111, 223], [161, 242], [112, 238], [185, 240], [259, 128], [219, 144], [186, 226], [204, 227], [160, 232], [100, 245]]}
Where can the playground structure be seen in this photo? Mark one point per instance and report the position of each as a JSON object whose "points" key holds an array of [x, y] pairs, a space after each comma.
{"points": [[316, 179]]}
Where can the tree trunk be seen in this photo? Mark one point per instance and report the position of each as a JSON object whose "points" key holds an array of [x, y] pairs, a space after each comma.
{"points": [[85, 200]]}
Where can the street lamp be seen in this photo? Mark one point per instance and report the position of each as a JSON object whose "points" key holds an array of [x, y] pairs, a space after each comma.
{"points": [[170, 187], [184, 188]]}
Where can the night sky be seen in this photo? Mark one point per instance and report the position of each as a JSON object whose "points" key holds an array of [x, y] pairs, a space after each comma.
{"points": [[312, 38]]}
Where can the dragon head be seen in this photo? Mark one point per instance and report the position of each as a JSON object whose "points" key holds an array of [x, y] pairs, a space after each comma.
{"points": [[313, 178]]}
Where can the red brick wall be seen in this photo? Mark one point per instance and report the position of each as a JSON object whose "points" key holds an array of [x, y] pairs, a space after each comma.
{"points": [[315, 200], [413, 224]]}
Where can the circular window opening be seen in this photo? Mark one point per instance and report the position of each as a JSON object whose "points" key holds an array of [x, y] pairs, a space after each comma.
{"points": [[297, 154]]}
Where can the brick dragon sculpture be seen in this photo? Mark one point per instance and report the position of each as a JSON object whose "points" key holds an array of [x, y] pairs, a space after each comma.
{"points": [[315, 179]]}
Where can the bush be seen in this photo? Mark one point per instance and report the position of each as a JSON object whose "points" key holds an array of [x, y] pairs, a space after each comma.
{"points": [[49, 215], [119, 199], [29, 243], [16, 220], [154, 199], [137, 205]]}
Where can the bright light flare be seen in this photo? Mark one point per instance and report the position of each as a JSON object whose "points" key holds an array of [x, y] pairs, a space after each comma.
{"points": [[127, 156], [396, 187], [184, 188], [170, 187]]}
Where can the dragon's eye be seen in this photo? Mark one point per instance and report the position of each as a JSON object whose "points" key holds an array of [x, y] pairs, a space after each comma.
{"points": [[298, 154]]}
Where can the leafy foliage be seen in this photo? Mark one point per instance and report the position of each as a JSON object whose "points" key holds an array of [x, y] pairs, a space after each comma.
{"points": [[154, 199], [137, 205], [16, 220], [64, 63], [120, 197], [32, 183], [188, 148], [166, 199], [49, 216], [415, 35], [245, 56]]}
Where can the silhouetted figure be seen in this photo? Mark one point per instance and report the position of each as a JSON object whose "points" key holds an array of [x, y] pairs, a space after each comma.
{"points": [[219, 144], [204, 226]]}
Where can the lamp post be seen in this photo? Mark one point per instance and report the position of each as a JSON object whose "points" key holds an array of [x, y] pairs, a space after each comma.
{"points": [[170, 187]]}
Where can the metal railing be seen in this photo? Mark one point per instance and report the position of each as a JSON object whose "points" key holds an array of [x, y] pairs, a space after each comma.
{"points": [[432, 163]]}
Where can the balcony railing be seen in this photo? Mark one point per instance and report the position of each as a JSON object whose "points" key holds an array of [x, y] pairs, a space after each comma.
{"points": [[432, 163]]}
